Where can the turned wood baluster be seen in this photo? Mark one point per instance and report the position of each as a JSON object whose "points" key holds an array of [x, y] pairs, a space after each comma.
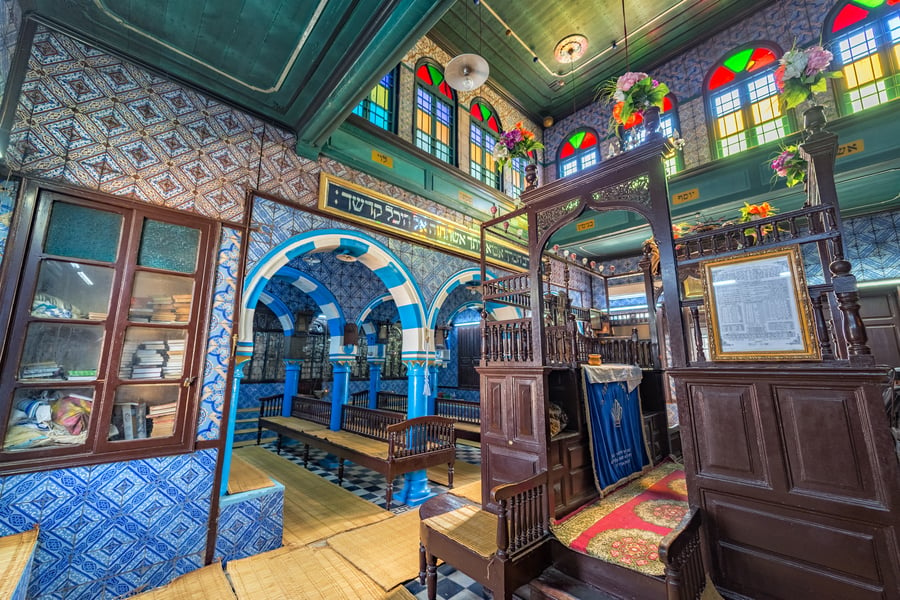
{"points": [[847, 295], [502, 531], [822, 327], [698, 335]]}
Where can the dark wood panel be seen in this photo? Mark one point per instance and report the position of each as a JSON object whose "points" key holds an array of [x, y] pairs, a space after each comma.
{"points": [[492, 408], [881, 315], [827, 451], [728, 432]]}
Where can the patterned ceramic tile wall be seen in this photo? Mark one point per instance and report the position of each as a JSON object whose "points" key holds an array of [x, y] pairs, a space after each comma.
{"points": [[250, 523], [107, 530], [218, 347], [10, 17]]}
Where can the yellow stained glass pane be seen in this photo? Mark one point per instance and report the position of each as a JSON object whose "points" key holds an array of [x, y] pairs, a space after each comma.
{"points": [[897, 54], [442, 133], [863, 71], [765, 110], [423, 121], [475, 152], [730, 124], [380, 96]]}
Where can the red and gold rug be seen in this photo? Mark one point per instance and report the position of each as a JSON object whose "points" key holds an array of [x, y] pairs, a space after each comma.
{"points": [[625, 527]]}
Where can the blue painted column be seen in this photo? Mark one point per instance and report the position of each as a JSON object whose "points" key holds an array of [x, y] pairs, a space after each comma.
{"points": [[416, 490], [374, 381], [292, 369], [433, 375], [232, 416], [340, 390]]}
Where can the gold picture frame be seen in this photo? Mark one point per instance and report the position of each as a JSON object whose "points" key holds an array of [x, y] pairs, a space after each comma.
{"points": [[758, 308]]}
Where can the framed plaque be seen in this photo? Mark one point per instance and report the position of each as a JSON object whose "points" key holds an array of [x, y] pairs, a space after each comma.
{"points": [[758, 307]]}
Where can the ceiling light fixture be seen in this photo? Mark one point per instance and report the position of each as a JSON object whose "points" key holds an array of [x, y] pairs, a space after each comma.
{"points": [[468, 72]]}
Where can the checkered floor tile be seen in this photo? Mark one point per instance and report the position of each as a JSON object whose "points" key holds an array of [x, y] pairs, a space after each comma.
{"points": [[369, 485]]}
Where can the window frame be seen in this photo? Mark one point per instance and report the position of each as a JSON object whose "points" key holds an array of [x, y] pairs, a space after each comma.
{"points": [[437, 96], [579, 153], [887, 51], [20, 278], [365, 111], [490, 137], [740, 84]]}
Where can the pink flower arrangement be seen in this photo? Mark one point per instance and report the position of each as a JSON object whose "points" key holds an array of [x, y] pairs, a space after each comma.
{"points": [[789, 164], [632, 94], [517, 142], [802, 73]]}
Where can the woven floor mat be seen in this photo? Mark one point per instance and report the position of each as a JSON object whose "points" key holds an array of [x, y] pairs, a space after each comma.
{"points": [[470, 491], [15, 552], [314, 508], [387, 551], [463, 473], [302, 574], [202, 584]]}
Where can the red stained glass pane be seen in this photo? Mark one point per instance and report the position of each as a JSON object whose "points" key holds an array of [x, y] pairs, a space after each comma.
{"points": [[667, 104], [567, 150], [760, 58], [720, 78], [445, 90], [849, 15], [492, 123], [893, 2], [476, 111], [589, 140], [424, 74]]}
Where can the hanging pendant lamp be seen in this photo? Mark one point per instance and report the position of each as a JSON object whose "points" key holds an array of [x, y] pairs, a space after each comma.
{"points": [[467, 72]]}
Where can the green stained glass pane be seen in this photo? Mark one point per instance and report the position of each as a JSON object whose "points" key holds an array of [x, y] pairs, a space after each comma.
{"points": [[436, 76], [82, 232], [576, 140], [168, 246], [869, 3], [738, 62], [485, 112]]}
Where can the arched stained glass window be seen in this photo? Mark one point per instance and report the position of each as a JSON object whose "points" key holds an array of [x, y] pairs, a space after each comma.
{"points": [[742, 98], [379, 107], [864, 36], [578, 152], [517, 175], [433, 129], [668, 126], [484, 130]]}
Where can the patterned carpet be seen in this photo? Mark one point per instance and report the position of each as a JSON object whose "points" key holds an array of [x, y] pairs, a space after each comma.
{"points": [[369, 485]]}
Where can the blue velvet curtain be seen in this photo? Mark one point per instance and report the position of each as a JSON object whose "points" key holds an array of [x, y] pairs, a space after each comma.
{"points": [[617, 440]]}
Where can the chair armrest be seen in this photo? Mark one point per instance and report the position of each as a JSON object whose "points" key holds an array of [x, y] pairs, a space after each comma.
{"points": [[675, 548], [523, 519]]}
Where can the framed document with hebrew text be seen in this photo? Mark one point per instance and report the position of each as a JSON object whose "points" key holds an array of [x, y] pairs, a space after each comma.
{"points": [[758, 307]]}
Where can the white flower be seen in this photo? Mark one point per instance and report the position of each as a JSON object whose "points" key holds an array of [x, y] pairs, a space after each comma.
{"points": [[794, 63], [619, 96], [500, 151]]}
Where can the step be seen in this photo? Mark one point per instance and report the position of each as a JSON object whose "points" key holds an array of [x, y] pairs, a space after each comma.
{"points": [[553, 584]]}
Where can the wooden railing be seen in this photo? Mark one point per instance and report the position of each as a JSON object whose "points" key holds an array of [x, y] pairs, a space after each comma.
{"points": [[559, 342], [458, 410], [312, 409], [368, 422], [506, 341], [392, 401], [623, 350], [523, 518], [511, 289], [420, 436], [360, 398]]}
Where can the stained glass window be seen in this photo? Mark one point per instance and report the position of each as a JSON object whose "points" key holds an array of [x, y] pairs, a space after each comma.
{"points": [[484, 129], [864, 36], [668, 126], [517, 177], [578, 152], [435, 106], [743, 100], [379, 106]]}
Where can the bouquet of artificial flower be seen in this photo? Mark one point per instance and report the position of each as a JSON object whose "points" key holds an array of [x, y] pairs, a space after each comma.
{"points": [[633, 93], [801, 73], [789, 164], [518, 142]]}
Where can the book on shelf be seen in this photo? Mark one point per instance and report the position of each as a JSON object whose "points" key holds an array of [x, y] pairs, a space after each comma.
{"points": [[97, 316], [131, 419]]}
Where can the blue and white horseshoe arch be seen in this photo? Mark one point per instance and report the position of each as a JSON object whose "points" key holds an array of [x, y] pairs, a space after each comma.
{"points": [[328, 304], [368, 251], [501, 313]]}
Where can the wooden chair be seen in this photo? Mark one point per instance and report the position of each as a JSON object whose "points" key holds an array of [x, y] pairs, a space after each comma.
{"points": [[269, 406], [500, 551]]}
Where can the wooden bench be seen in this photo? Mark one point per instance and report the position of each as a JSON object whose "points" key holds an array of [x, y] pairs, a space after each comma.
{"points": [[466, 414], [379, 440]]}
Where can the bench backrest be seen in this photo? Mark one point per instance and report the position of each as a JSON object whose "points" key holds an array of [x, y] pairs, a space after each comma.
{"points": [[458, 410], [422, 435], [311, 409], [393, 401], [360, 398], [270, 406], [368, 422]]}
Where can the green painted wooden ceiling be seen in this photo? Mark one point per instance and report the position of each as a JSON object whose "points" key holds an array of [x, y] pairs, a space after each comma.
{"points": [[301, 63], [510, 33]]}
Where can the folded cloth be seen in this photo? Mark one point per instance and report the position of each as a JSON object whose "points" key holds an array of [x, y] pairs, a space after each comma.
{"points": [[72, 412], [37, 411]]}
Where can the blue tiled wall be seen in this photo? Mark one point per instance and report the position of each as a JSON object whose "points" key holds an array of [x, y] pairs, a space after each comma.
{"points": [[250, 523], [107, 530]]}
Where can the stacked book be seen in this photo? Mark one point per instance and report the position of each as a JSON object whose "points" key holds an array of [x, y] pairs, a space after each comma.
{"points": [[140, 309], [41, 370], [130, 419], [163, 419], [81, 374], [97, 316], [182, 305], [174, 365], [148, 360], [163, 309]]}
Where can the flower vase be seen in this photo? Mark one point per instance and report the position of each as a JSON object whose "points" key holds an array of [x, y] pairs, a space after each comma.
{"points": [[531, 182], [651, 123], [814, 119]]}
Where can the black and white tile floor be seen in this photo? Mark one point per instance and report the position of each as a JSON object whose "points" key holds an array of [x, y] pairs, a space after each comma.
{"points": [[369, 485]]}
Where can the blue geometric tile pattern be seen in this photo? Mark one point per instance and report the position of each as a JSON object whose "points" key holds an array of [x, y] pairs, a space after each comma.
{"points": [[212, 395], [110, 529], [250, 523]]}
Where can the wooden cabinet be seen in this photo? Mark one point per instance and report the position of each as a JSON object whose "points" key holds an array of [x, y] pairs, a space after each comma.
{"points": [[107, 302]]}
